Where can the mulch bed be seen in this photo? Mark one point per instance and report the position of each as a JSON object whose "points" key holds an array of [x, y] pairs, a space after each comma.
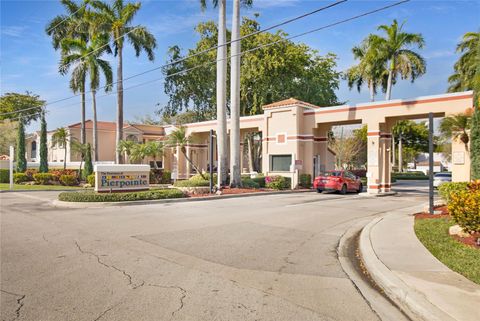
{"points": [[470, 240]]}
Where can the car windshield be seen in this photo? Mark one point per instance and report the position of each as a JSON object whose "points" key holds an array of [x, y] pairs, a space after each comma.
{"points": [[335, 173]]}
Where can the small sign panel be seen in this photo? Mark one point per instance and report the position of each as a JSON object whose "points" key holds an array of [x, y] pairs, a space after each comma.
{"points": [[458, 158], [298, 164]]}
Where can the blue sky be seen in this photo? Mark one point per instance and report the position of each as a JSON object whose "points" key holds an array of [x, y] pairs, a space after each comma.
{"points": [[28, 62]]}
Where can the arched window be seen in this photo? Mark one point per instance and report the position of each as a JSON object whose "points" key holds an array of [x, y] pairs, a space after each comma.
{"points": [[34, 150], [132, 138]]}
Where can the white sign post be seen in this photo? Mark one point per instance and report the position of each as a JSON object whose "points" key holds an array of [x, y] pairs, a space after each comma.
{"points": [[11, 167]]}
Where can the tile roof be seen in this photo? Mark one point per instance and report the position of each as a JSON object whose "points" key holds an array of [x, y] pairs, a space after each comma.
{"points": [[289, 102], [102, 125]]}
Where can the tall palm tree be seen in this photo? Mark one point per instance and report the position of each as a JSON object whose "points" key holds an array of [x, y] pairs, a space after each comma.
{"points": [[116, 20], [71, 25], [85, 57], [179, 138], [457, 127], [235, 154], [467, 67], [60, 138], [222, 166], [371, 68], [394, 47]]}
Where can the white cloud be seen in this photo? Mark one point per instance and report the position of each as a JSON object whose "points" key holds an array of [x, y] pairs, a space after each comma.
{"points": [[275, 3], [13, 31], [439, 54]]}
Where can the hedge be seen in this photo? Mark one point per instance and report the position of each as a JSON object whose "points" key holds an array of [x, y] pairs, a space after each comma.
{"points": [[160, 176], [277, 182], [259, 179], [89, 196], [19, 178], [68, 180], [464, 207], [247, 182], [192, 183], [91, 179], [43, 178], [446, 189], [305, 180], [410, 176], [4, 176]]}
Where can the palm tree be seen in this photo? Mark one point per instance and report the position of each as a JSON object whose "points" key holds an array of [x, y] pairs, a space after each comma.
{"points": [[467, 67], [401, 60], [81, 150], [221, 91], [154, 149], [86, 58], [126, 147], [457, 127], [370, 70], [116, 20], [60, 138], [179, 138], [71, 25]]}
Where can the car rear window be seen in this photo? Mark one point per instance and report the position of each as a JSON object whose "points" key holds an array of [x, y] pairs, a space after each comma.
{"points": [[336, 174], [443, 175]]}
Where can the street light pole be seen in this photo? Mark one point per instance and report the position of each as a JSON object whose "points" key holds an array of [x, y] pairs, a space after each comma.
{"points": [[210, 167], [430, 163]]}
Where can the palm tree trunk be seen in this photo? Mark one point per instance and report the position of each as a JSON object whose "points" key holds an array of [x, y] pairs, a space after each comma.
{"points": [[235, 170], [83, 135], [119, 131], [390, 80], [250, 153], [221, 96], [64, 154], [184, 152], [372, 90], [94, 135]]}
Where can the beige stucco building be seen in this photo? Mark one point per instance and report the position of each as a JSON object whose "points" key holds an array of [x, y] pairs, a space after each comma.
{"points": [[294, 137]]}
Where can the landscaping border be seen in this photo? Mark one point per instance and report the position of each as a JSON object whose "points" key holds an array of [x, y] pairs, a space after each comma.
{"points": [[58, 203]]}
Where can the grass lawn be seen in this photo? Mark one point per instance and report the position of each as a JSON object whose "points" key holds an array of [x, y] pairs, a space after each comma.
{"points": [[5, 186], [461, 258]]}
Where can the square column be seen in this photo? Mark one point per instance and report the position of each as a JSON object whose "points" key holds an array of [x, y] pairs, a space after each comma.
{"points": [[378, 159]]}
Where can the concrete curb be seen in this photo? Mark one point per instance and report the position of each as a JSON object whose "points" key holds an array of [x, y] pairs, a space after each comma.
{"points": [[411, 302], [58, 203]]}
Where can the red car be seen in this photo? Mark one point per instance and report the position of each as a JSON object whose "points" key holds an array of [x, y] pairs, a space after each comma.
{"points": [[341, 181]]}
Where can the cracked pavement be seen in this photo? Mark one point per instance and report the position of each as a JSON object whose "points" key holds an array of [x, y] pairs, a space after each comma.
{"points": [[260, 258]]}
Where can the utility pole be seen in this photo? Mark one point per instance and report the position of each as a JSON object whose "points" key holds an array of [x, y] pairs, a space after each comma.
{"points": [[210, 153], [430, 163], [12, 153]]}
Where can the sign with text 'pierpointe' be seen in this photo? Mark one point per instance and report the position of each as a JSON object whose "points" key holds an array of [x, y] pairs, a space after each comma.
{"points": [[117, 178]]}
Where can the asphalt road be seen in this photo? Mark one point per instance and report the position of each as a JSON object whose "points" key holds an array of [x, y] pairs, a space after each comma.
{"points": [[259, 258]]}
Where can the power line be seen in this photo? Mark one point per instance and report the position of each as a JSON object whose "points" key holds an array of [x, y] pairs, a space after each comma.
{"points": [[58, 24], [190, 56], [258, 47]]}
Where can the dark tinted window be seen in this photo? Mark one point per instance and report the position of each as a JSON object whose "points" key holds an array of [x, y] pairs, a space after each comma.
{"points": [[280, 163], [335, 173]]}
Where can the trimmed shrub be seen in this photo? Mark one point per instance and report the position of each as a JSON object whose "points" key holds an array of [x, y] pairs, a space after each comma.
{"points": [[30, 173], [247, 182], [160, 176], [277, 182], [166, 177], [120, 197], [4, 176], [19, 178], [447, 188], [410, 176], [260, 179], [192, 183], [305, 180], [91, 179], [464, 207], [68, 180], [43, 178]]}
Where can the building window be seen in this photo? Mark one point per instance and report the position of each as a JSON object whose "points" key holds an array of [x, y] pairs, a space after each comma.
{"points": [[280, 163], [34, 149], [132, 138]]}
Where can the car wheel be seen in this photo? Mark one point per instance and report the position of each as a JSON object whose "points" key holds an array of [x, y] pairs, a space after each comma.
{"points": [[343, 191], [319, 190], [360, 188]]}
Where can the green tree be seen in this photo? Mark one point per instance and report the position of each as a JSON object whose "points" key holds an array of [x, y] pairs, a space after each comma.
{"points": [[85, 60], [116, 20], [401, 60], [466, 74], [269, 74], [72, 25], [475, 143], [20, 154], [456, 127], [43, 146], [14, 106], [371, 69], [154, 149], [125, 147], [8, 135], [81, 150], [179, 138], [414, 138], [88, 170], [60, 139]]}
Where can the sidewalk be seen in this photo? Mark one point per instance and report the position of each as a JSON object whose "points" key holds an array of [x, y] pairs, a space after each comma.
{"points": [[414, 279]]}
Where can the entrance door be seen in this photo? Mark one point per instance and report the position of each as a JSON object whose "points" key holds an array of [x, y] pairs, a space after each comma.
{"points": [[317, 170]]}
